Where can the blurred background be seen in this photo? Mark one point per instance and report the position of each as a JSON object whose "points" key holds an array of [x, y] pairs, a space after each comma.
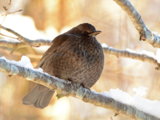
{"points": [[49, 18]]}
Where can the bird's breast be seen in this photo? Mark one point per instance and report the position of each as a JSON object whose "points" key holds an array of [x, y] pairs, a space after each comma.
{"points": [[79, 61]]}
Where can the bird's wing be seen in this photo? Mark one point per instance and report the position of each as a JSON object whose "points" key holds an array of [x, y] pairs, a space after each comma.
{"points": [[56, 43]]}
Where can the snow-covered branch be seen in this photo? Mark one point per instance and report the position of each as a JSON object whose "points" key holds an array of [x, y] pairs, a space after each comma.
{"points": [[64, 88], [145, 33], [25, 41], [144, 56]]}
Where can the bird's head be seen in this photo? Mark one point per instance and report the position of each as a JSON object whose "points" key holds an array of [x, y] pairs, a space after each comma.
{"points": [[85, 29]]}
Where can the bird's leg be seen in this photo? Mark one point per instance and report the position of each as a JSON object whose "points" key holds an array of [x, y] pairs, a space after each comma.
{"points": [[85, 87], [71, 82]]}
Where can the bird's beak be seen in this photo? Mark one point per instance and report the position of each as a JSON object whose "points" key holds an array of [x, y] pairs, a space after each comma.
{"points": [[93, 34]]}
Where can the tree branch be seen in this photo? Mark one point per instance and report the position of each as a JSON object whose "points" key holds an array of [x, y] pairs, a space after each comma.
{"points": [[64, 88], [24, 40], [145, 33], [11, 44], [131, 54]]}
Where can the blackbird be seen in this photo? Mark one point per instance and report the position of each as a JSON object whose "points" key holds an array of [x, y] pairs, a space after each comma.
{"points": [[76, 56]]}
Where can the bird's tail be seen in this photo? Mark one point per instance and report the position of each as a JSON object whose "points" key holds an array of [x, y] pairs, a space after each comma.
{"points": [[39, 96]]}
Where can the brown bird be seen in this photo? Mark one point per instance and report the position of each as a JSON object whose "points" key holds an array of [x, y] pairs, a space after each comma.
{"points": [[75, 56]]}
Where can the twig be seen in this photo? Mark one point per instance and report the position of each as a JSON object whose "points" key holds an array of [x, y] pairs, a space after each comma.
{"points": [[145, 33], [6, 9], [10, 44], [12, 12], [8, 36]]}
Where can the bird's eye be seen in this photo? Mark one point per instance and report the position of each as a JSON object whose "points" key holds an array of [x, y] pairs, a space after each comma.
{"points": [[84, 32]]}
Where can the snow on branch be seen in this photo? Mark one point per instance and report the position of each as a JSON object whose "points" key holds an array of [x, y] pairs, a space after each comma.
{"points": [[107, 100], [144, 56], [145, 33], [25, 41]]}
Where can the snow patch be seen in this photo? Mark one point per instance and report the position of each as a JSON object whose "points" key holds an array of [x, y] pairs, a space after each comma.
{"points": [[137, 101], [24, 62], [104, 45]]}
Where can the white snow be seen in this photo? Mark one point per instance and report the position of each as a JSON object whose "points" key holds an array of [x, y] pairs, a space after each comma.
{"points": [[153, 32], [104, 45], [131, 51], [24, 62], [137, 100]]}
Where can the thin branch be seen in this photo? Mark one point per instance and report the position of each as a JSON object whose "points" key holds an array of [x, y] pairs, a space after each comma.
{"points": [[6, 9], [145, 33], [64, 88], [33, 43], [12, 12], [11, 44], [133, 55]]}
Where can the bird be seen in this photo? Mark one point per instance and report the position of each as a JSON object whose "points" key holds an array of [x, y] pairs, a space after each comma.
{"points": [[74, 56]]}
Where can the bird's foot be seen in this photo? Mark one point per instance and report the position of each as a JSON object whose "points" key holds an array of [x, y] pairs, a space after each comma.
{"points": [[86, 87], [71, 83]]}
